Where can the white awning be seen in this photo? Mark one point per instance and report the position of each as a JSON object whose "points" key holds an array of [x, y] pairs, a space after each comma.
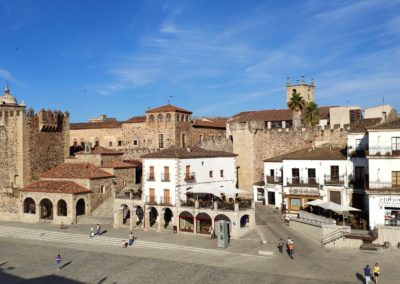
{"points": [[315, 202], [216, 190], [334, 206]]}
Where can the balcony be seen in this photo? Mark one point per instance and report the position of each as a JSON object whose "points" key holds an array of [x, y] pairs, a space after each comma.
{"points": [[165, 177], [274, 180], [306, 182], [358, 183], [165, 200], [383, 186], [151, 200], [129, 195], [190, 178], [150, 177], [383, 151], [334, 180], [187, 203]]}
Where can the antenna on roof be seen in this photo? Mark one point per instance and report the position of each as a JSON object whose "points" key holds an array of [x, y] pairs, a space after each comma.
{"points": [[347, 102], [170, 99], [383, 101]]}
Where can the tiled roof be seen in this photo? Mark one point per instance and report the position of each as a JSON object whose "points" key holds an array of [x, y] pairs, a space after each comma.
{"points": [[95, 125], [117, 165], [101, 151], [55, 186], [389, 125], [323, 153], [76, 170], [136, 163], [168, 108], [187, 153], [274, 115], [361, 125], [210, 123], [136, 119]]}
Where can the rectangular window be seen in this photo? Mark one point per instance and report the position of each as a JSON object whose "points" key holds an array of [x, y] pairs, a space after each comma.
{"points": [[166, 174], [396, 180], [334, 172], [110, 144], [119, 143], [160, 141], [295, 203], [210, 174], [221, 173], [135, 142], [187, 173], [395, 143], [183, 140], [166, 196], [151, 175], [152, 197], [384, 114], [271, 173], [276, 124], [311, 176], [97, 143], [201, 138]]}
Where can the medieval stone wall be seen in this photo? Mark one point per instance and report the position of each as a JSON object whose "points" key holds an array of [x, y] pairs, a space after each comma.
{"points": [[123, 177], [98, 197], [253, 143]]}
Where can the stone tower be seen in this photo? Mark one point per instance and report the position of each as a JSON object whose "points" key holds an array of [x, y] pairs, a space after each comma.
{"points": [[302, 88]]}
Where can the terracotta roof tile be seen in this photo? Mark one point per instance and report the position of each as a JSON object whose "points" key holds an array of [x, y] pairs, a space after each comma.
{"points": [[136, 163], [101, 151], [323, 153], [274, 115], [95, 125], [362, 125], [136, 119], [117, 165], [76, 170], [168, 108], [387, 125], [55, 186], [210, 123], [184, 153]]}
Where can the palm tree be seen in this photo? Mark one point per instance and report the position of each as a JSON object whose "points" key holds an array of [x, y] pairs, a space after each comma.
{"points": [[297, 104], [311, 117]]}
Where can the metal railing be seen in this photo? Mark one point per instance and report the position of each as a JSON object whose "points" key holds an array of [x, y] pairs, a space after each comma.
{"points": [[128, 195], [335, 235], [165, 200], [358, 183], [383, 151], [226, 206], [206, 204], [296, 181], [386, 185], [334, 180], [150, 177], [187, 203], [190, 178], [150, 200], [245, 204], [274, 179]]}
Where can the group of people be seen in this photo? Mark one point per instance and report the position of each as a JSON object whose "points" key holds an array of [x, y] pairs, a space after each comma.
{"points": [[93, 233], [289, 246], [131, 239], [374, 274]]}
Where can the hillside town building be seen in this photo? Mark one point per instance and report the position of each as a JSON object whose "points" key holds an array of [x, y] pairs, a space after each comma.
{"points": [[188, 190]]}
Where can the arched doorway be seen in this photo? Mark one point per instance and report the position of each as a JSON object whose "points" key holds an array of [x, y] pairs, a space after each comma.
{"points": [[220, 217], [168, 216], [244, 220], [29, 206], [186, 222], [203, 223], [139, 215], [80, 207], [126, 214], [46, 209], [153, 216], [61, 208]]}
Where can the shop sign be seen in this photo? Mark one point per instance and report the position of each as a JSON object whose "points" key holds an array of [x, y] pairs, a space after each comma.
{"points": [[389, 201]]}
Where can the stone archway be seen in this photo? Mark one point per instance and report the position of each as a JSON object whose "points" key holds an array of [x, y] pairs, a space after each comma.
{"points": [[168, 217], [29, 206], [186, 222], [62, 208], [139, 215], [244, 220], [126, 214], [80, 207], [153, 216], [203, 223], [46, 209]]}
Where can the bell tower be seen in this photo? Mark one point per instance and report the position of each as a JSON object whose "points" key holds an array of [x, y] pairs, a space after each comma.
{"points": [[302, 88]]}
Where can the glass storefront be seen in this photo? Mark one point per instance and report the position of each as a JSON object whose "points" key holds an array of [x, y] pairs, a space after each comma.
{"points": [[392, 216], [186, 223]]}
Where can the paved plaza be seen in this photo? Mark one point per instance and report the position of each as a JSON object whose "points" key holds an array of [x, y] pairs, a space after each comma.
{"points": [[28, 252]]}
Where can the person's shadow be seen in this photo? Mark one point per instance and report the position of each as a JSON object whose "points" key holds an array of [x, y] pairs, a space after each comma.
{"points": [[360, 277], [66, 264]]}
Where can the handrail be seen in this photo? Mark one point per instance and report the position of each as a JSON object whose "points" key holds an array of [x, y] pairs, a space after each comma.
{"points": [[333, 236]]}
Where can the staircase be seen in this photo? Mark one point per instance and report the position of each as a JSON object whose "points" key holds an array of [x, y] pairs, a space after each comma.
{"points": [[103, 214], [353, 239]]}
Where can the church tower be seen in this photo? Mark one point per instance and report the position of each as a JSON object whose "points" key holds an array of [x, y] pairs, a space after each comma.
{"points": [[302, 88]]}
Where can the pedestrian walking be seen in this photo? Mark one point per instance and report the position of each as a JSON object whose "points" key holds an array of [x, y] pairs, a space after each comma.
{"points": [[290, 250], [376, 271], [289, 241], [98, 230], [280, 245], [367, 274], [91, 233], [211, 232], [58, 262], [131, 238], [62, 226]]}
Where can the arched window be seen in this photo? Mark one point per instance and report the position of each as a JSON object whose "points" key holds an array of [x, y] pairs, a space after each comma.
{"points": [[103, 189], [177, 117], [61, 208], [159, 117], [29, 206], [151, 118], [168, 117]]}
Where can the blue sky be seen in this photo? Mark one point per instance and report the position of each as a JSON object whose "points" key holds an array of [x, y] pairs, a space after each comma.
{"points": [[212, 57]]}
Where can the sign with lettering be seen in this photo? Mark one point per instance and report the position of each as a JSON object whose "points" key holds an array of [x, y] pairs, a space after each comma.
{"points": [[389, 201]]}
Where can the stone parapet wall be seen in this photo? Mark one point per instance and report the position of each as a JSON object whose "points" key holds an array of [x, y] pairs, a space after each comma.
{"points": [[9, 205], [388, 234]]}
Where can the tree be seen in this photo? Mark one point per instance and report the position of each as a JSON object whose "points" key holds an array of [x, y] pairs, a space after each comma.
{"points": [[311, 117], [297, 104]]}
